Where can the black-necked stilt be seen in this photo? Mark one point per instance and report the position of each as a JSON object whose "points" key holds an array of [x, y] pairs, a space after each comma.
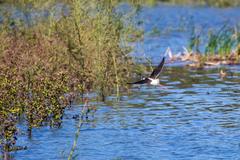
{"points": [[153, 78]]}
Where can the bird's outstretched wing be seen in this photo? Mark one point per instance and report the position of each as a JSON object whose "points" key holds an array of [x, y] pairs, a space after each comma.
{"points": [[145, 80], [158, 69]]}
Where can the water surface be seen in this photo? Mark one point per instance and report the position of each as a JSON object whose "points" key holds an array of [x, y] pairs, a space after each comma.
{"points": [[174, 26], [195, 116]]}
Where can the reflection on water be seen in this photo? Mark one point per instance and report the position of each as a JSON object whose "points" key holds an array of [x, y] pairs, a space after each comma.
{"points": [[195, 116]]}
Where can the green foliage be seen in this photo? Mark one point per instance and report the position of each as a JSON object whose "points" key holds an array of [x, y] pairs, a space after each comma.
{"points": [[211, 47], [222, 42], [155, 32], [194, 41], [43, 66]]}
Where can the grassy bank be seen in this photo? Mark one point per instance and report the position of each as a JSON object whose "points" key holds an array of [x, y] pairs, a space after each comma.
{"points": [[43, 66]]}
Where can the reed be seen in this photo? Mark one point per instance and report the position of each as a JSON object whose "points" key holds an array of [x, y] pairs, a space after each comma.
{"points": [[221, 44], [194, 41]]}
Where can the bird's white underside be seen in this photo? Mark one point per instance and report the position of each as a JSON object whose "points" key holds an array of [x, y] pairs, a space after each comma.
{"points": [[154, 81]]}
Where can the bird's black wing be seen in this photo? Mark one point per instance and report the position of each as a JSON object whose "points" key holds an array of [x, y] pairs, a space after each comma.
{"points": [[145, 80], [158, 69]]}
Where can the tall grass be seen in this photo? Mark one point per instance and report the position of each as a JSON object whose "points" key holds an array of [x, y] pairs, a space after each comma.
{"points": [[42, 64], [222, 44], [195, 40]]}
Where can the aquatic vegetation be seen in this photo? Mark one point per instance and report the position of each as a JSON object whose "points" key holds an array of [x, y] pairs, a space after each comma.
{"points": [[155, 32], [45, 65], [136, 35], [222, 47], [84, 111], [194, 41], [221, 42]]}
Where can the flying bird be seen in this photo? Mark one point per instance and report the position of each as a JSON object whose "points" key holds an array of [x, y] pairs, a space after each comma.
{"points": [[153, 79]]}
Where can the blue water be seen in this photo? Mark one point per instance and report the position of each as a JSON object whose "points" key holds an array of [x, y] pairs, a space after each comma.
{"points": [[176, 25], [32, 16], [195, 116]]}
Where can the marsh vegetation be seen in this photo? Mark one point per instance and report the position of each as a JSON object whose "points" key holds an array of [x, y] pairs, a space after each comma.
{"points": [[222, 46], [58, 52], [45, 65]]}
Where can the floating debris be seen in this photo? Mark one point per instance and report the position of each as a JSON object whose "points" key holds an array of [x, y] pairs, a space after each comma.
{"points": [[222, 74]]}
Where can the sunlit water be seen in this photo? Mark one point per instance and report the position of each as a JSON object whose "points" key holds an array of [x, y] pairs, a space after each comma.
{"points": [[195, 116], [174, 26]]}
